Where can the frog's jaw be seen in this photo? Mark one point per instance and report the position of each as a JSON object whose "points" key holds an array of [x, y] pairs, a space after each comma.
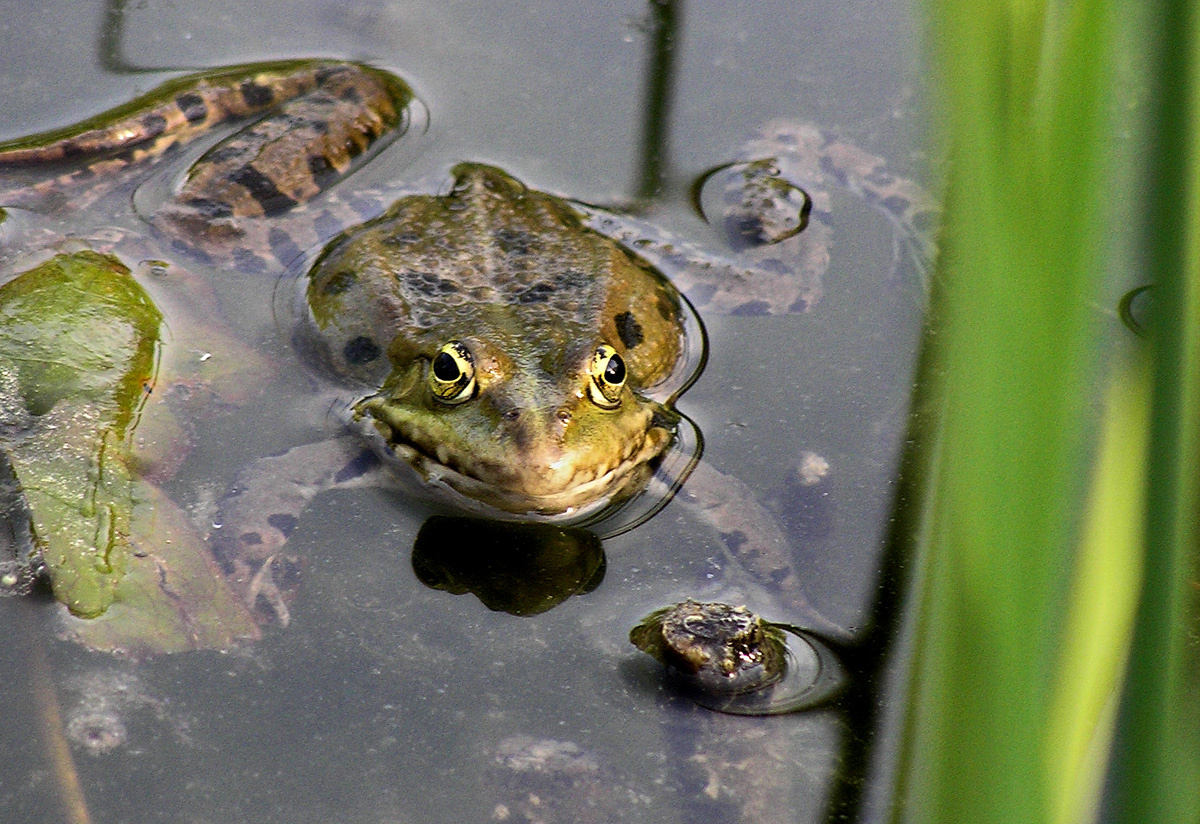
{"points": [[540, 482], [572, 503]]}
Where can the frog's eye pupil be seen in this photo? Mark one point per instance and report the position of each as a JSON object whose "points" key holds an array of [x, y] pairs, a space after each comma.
{"points": [[452, 373], [607, 377], [445, 368], [614, 372]]}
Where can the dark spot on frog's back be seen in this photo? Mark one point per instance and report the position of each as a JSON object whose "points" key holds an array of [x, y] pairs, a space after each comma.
{"points": [[208, 208], [512, 241], [438, 285], [231, 156], [628, 329], [154, 125], [537, 293], [326, 72], [321, 170], [572, 280], [361, 350], [262, 189], [72, 150], [400, 239], [427, 284]]}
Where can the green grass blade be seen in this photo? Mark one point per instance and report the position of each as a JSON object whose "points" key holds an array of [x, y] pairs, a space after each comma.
{"points": [[1101, 603], [1157, 773], [997, 731]]}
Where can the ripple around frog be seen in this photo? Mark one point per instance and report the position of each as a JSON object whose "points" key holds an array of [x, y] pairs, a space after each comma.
{"points": [[813, 675]]}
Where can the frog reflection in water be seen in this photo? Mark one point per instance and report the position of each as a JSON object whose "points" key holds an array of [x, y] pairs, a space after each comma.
{"points": [[495, 339]]}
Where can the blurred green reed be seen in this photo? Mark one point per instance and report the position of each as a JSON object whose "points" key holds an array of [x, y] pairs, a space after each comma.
{"points": [[1055, 674]]}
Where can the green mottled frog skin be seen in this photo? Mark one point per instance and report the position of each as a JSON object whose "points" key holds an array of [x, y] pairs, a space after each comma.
{"points": [[506, 344]]}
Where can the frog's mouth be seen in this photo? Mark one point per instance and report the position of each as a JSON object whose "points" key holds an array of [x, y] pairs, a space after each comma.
{"points": [[526, 487]]}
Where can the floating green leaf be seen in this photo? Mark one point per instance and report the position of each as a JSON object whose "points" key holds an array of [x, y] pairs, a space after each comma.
{"points": [[80, 338], [79, 348]]}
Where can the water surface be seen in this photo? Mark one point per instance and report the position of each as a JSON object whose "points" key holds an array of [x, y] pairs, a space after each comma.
{"points": [[386, 701]]}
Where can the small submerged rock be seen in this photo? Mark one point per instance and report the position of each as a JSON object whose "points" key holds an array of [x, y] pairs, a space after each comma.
{"points": [[756, 203], [727, 658], [723, 649]]}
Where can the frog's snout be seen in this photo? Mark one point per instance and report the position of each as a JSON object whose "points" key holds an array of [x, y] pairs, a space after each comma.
{"points": [[530, 428], [535, 440]]}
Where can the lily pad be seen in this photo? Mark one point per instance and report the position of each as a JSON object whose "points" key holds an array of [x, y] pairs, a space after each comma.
{"points": [[80, 344]]}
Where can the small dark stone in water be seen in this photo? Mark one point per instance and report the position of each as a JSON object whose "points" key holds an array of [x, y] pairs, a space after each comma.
{"points": [[723, 649], [726, 658], [755, 203]]}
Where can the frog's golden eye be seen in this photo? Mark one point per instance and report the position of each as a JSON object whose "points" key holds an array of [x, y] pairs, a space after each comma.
{"points": [[452, 373], [607, 370]]}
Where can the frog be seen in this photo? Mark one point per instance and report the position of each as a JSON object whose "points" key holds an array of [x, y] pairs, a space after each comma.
{"points": [[569, 346], [723, 648]]}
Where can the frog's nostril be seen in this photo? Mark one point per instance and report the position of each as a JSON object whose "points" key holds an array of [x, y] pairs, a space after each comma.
{"points": [[511, 414]]}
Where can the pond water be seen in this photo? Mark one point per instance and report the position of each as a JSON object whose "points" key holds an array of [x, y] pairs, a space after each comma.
{"points": [[388, 701]]}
